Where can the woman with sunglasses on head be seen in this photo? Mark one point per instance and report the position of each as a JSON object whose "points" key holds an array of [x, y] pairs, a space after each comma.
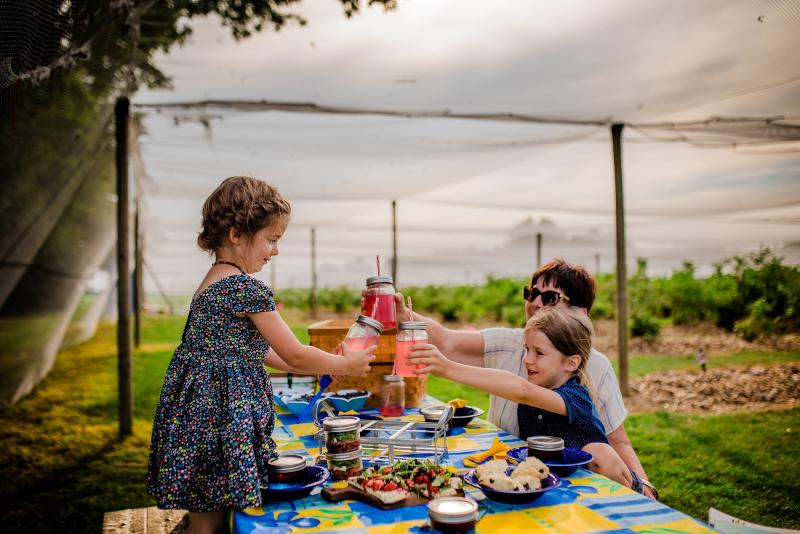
{"points": [[558, 284]]}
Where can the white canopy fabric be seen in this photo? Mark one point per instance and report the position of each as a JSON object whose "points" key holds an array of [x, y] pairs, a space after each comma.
{"points": [[472, 194]]}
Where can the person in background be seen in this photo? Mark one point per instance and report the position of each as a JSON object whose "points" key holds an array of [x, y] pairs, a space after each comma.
{"points": [[558, 284], [701, 358]]}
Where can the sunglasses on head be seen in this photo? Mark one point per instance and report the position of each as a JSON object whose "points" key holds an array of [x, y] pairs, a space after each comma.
{"points": [[549, 298]]}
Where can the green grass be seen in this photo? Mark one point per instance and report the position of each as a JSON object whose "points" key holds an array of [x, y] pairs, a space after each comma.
{"points": [[63, 464]]}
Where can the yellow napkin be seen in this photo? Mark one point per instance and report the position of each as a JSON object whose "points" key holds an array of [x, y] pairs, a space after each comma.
{"points": [[497, 451]]}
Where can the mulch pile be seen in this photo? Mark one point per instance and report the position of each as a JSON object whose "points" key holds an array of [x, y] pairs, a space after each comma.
{"points": [[718, 390]]}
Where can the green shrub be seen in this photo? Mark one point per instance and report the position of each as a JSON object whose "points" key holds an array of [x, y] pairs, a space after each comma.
{"points": [[645, 326]]}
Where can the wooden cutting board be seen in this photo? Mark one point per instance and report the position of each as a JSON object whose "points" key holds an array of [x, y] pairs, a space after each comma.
{"points": [[351, 492]]}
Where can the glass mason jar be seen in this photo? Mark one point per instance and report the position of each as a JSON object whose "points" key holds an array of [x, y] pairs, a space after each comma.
{"points": [[345, 465], [393, 396], [341, 434], [409, 333], [379, 301], [364, 333]]}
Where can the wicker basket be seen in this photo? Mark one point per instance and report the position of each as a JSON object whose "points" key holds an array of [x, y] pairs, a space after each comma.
{"points": [[327, 335]]}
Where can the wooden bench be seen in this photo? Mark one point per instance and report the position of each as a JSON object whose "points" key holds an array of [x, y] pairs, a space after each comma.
{"points": [[145, 521]]}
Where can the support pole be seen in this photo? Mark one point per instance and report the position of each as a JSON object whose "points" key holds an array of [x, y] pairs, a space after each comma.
{"points": [[622, 275], [596, 263], [313, 272], [138, 276], [121, 112], [394, 242], [538, 249]]}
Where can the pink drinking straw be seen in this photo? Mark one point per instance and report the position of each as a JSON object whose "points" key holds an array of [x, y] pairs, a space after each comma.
{"points": [[410, 309], [378, 263]]}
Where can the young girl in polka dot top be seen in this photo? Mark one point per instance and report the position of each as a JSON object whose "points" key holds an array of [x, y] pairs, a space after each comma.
{"points": [[212, 430], [556, 399]]}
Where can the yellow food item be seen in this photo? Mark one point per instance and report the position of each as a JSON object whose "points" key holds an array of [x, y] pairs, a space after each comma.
{"points": [[458, 403]]}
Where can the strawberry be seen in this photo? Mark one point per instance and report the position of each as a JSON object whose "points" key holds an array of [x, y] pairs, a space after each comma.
{"points": [[391, 486]]}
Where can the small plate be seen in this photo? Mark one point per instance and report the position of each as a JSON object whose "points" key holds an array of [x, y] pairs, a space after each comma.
{"points": [[564, 467], [314, 475], [513, 497]]}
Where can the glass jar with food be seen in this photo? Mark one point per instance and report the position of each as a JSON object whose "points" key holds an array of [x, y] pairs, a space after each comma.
{"points": [[286, 468], [379, 301], [345, 465], [364, 333], [546, 447], [453, 514], [341, 434]]}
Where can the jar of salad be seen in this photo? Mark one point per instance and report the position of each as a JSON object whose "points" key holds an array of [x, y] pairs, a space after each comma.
{"points": [[379, 301], [364, 333], [341, 434], [345, 465]]}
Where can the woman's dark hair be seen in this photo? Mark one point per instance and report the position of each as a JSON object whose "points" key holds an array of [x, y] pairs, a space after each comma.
{"points": [[243, 203], [574, 280]]}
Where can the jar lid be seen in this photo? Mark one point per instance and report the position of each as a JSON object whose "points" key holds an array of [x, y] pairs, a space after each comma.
{"points": [[287, 463], [369, 321], [432, 412], [392, 378], [412, 325], [453, 509], [380, 279], [341, 424], [546, 443], [349, 455]]}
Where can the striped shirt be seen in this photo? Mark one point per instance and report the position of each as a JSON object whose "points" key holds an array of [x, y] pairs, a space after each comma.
{"points": [[504, 348]]}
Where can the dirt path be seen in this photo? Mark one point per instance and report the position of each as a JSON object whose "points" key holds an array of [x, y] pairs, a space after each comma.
{"points": [[718, 390]]}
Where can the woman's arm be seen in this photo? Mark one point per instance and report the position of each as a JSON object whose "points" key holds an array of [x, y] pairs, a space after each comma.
{"points": [[304, 358], [495, 381]]}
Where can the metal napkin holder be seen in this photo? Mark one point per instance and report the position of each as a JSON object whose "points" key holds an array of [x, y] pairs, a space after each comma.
{"points": [[382, 440]]}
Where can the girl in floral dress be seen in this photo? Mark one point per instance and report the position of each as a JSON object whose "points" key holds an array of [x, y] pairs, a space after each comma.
{"points": [[212, 430]]}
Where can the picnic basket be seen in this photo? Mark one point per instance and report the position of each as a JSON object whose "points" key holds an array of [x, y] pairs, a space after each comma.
{"points": [[327, 335]]}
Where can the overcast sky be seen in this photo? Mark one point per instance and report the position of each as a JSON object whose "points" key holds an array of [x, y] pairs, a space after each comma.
{"points": [[472, 194]]}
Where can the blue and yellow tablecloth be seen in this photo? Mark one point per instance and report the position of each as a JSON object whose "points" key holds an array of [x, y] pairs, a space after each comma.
{"points": [[585, 502]]}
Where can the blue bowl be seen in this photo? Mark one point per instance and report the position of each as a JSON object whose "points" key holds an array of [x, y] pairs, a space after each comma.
{"points": [[298, 406], [563, 467], [314, 475], [346, 404], [513, 497]]}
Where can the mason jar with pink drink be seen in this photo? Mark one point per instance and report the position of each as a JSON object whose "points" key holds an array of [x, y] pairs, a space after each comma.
{"points": [[379, 301], [364, 333], [409, 333]]}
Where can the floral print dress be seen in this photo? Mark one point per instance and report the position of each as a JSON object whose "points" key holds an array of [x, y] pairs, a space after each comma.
{"points": [[211, 435]]}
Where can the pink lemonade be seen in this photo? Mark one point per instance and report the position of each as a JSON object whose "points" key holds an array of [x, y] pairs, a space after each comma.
{"points": [[361, 343], [402, 367], [391, 411], [383, 306]]}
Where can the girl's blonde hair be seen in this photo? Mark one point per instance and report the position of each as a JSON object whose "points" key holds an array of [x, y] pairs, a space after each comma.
{"points": [[243, 203], [570, 332]]}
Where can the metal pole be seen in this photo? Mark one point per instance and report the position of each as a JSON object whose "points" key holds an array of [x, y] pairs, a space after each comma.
{"points": [[394, 242], [138, 284], [622, 275], [538, 250], [313, 272], [121, 112], [597, 263]]}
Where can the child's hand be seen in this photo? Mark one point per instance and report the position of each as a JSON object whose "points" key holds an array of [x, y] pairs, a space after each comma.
{"points": [[357, 361], [400, 307], [430, 357]]}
